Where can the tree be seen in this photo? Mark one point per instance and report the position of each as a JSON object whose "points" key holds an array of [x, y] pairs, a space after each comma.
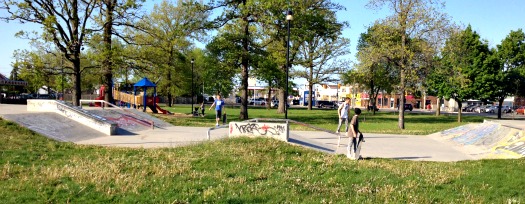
{"points": [[64, 23], [412, 22], [373, 72], [313, 29], [114, 14], [511, 53], [240, 14], [318, 56], [165, 44], [467, 69]]}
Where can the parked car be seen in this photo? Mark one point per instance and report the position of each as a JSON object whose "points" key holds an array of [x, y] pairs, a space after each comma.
{"points": [[480, 109], [489, 109], [275, 104], [472, 108], [258, 102], [326, 104], [468, 108], [506, 109], [408, 106], [369, 108]]}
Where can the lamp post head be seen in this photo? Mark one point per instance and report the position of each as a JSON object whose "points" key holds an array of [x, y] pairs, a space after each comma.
{"points": [[289, 15], [192, 60]]}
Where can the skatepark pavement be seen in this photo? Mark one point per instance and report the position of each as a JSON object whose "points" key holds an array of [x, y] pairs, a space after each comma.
{"points": [[404, 147]]}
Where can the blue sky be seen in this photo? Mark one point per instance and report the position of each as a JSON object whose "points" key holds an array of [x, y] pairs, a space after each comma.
{"points": [[492, 19]]}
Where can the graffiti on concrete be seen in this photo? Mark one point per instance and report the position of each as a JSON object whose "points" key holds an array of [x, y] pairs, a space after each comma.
{"points": [[127, 121], [472, 136], [274, 130], [255, 128]]}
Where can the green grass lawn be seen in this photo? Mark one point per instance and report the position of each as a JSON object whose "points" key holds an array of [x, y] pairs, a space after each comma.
{"points": [[34, 169], [381, 122]]}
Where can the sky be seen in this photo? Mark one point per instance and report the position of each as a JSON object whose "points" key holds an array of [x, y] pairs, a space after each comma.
{"points": [[492, 19]]}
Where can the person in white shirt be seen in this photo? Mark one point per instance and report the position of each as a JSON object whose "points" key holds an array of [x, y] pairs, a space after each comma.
{"points": [[342, 111]]}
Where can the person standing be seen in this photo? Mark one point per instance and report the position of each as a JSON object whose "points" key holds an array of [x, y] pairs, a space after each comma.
{"points": [[202, 108], [342, 111], [219, 104], [354, 127]]}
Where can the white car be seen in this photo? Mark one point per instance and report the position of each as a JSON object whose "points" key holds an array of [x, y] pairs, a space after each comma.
{"points": [[257, 102], [490, 109]]}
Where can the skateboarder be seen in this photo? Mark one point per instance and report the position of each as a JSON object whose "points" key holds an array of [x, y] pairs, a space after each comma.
{"points": [[353, 133]]}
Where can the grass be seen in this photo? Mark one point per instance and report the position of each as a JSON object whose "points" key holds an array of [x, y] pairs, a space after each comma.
{"points": [[34, 169], [382, 122]]}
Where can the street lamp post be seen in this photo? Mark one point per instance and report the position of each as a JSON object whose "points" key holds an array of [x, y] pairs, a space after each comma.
{"points": [[289, 18], [192, 61]]}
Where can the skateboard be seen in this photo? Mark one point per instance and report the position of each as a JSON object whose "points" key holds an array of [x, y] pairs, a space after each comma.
{"points": [[355, 154]]}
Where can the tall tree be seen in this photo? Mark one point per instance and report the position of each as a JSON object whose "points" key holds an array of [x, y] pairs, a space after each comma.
{"points": [[467, 69], [413, 21], [242, 15], [318, 56], [64, 24], [165, 43], [313, 30], [511, 75], [113, 15], [374, 73]]}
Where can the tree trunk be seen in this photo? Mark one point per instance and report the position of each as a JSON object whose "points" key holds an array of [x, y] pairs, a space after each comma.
{"points": [[107, 62], [401, 119], [244, 73], [310, 94], [403, 64], [500, 100], [168, 77], [459, 111], [77, 92], [269, 98], [280, 109], [438, 104]]}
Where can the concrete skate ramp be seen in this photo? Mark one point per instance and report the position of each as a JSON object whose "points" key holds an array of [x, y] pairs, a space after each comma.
{"points": [[73, 113], [54, 126], [490, 139], [129, 121]]}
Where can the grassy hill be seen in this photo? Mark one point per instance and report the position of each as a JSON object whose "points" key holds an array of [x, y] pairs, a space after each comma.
{"points": [[34, 169]]}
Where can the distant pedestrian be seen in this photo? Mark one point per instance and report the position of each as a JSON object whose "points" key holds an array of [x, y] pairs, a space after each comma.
{"points": [[342, 112], [202, 108], [219, 104], [354, 127]]}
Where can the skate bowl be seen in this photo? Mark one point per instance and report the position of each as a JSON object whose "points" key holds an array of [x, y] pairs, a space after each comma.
{"points": [[492, 139], [74, 113]]}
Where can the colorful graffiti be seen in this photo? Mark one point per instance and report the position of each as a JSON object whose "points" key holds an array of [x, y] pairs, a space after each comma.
{"points": [[500, 141]]}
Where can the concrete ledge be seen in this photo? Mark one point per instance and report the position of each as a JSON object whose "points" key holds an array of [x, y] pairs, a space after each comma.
{"points": [[74, 113], [278, 131]]}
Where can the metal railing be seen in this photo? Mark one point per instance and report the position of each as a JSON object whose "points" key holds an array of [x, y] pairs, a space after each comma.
{"points": [[115, 106]]}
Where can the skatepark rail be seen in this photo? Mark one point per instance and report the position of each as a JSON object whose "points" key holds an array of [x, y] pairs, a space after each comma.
{"points": [[114, 106]]}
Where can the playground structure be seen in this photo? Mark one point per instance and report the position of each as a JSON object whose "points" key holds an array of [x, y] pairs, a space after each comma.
{"points": [[135, 100]]}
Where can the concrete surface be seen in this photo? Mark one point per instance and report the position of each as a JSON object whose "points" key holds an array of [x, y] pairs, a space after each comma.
{"points": [[419, 148]]}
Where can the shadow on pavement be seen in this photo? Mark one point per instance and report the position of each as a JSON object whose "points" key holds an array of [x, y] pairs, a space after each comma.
{"points": [[311, 145]]}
